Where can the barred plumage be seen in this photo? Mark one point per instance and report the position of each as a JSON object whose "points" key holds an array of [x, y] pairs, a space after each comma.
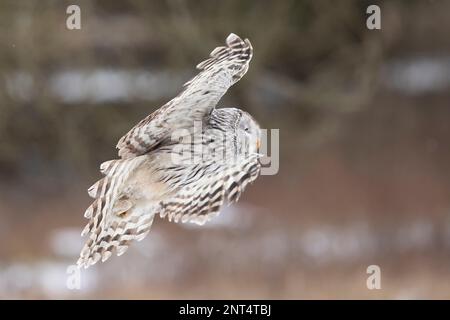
{"points": [[200, 201], [226, 66], [169, 167]]}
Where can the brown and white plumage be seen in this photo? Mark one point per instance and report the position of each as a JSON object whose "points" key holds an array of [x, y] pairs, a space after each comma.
{"points": [[147, 181]]}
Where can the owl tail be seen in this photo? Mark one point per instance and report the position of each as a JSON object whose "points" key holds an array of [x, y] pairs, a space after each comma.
{"points": [[114, 220]]}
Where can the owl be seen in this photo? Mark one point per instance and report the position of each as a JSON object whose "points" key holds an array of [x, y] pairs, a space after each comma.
{"points": [[184, 161]]}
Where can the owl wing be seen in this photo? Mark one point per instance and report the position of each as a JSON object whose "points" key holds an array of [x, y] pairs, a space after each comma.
{"points": [[112, 225], [225, 66], [202, 196]]}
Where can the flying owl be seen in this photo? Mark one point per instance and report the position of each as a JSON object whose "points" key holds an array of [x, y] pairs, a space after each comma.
{"points": [[183, 161]]}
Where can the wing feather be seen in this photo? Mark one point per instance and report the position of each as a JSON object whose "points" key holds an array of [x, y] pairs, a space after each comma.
{"points": [[107, 229], [201, 199], [225, 66]]}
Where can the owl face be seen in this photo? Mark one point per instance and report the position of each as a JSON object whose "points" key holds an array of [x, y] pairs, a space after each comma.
{"points": [[249, 134]]}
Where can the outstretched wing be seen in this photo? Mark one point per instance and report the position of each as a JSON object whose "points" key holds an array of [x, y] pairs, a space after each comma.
{"points": [[208, 187], [225, 66], [113, 223]]}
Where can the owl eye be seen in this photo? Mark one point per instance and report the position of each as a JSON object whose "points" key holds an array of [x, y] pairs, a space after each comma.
{"points": [[246, 129]]}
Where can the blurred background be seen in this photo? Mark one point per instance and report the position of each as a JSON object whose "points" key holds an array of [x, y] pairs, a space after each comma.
{"points": [[364, 147]]}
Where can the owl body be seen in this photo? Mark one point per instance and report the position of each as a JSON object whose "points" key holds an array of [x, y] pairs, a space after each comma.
{"points": [[183, 161]]}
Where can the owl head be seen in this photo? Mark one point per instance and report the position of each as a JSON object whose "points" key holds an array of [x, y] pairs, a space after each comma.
{"points": [[248, 134]]}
